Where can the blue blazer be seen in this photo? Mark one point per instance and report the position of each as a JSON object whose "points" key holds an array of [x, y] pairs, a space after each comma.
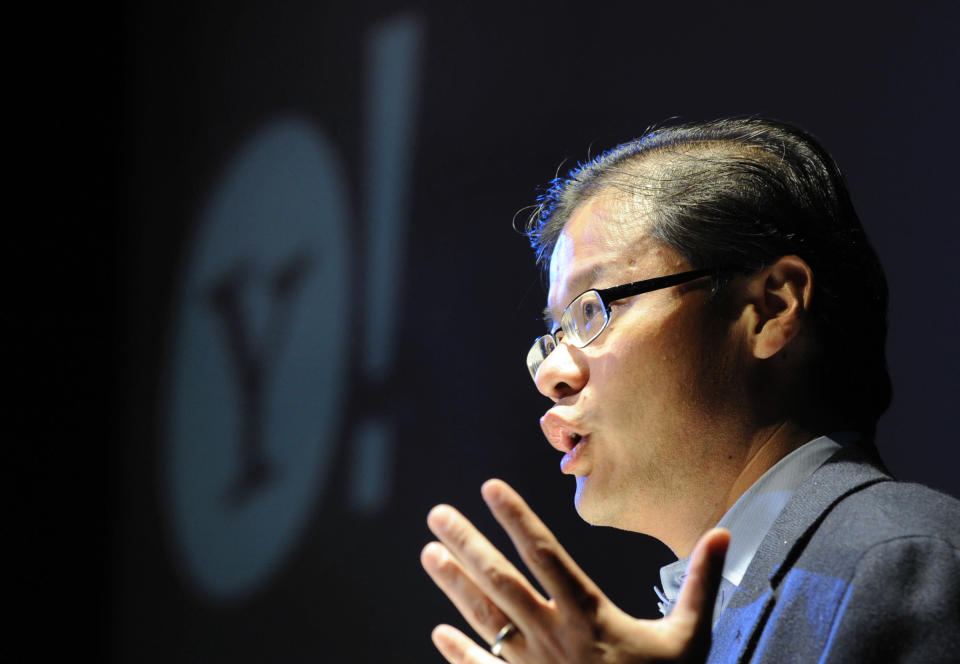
{"points": [[857, 568]]}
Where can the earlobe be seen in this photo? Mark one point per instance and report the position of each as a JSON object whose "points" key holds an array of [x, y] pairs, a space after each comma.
{"points": [[782, 297]]}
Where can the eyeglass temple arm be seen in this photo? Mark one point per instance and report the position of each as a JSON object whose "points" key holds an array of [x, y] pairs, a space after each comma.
{"points": [[645, 286]]}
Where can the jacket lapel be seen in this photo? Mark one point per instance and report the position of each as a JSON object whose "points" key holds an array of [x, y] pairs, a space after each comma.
{"points": [[739, 628]]}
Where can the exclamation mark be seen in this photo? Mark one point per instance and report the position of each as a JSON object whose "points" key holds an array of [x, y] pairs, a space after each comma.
{"points": [[393, 61]]}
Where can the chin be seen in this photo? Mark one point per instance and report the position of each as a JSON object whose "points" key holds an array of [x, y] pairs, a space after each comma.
{"points": [[589, 506], [599, 509]]}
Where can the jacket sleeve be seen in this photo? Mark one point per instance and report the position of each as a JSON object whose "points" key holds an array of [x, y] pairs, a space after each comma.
{"points": [[902, 605]]}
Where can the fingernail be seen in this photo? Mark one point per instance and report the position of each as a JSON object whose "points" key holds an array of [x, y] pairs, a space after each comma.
{"points": [[439, 518], [441, 635], [433, 556], [491, 493]]}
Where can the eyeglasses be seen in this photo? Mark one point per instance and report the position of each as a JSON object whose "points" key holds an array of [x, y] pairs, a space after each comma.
{"points": [[588, 315]]}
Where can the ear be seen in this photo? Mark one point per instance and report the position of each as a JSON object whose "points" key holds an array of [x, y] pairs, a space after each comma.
{"points": [[781, 296]]}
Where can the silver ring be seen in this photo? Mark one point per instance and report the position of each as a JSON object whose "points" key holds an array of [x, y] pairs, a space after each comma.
{"points": [[505, 633]]}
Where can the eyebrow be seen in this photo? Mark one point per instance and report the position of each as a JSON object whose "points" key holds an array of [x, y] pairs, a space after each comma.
{"points": [[548, 319], [582, 277]]}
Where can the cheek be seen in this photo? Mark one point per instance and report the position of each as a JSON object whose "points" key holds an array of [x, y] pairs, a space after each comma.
{"points": [[634, 383], [652, 371], [653, 356]]}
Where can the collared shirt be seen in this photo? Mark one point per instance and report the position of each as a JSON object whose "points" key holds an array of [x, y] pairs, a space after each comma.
{"points": [[751, 517]]}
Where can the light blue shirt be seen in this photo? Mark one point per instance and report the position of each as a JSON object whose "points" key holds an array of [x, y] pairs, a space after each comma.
{"points": [[751, 517]]}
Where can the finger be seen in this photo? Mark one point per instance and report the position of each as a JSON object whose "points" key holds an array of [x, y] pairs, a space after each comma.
{"points": [[494, 575], [549, 562], [457, 648], [697, 596], [483, 615]]}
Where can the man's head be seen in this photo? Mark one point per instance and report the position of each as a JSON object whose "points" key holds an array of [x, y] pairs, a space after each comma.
{"points": [[742, 193], [792, 327]]}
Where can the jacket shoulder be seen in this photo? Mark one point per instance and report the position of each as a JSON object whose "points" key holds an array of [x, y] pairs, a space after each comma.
{"points": [[876, 514]]}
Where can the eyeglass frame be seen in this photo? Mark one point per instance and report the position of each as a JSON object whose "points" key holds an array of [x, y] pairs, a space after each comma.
{"points": [[610, 295]]}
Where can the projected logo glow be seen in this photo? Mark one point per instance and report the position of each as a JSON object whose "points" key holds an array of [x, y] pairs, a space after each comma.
{"points": [[258, 369], [258, 365]]}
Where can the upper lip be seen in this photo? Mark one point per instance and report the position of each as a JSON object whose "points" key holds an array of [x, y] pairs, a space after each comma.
{"points": [[561, 432]]}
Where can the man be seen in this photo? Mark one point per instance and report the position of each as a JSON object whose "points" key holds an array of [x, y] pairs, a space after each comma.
{"points": [[715, 356]]}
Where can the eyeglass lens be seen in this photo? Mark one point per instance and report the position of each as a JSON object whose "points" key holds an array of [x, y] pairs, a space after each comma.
{"points": [[582, 321], [587, 318], [542, 347]]}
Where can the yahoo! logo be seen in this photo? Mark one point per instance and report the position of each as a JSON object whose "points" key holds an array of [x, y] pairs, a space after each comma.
{"points": [[261, 340]]}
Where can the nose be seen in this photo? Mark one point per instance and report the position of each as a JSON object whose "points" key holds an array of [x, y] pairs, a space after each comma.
{"points": [[562, 373]]}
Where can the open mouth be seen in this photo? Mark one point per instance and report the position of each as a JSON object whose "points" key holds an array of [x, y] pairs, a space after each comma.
{"points": [[570, 461]]}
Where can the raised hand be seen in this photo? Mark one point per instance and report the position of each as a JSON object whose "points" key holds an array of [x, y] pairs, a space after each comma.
{"points": [[577, 624]]}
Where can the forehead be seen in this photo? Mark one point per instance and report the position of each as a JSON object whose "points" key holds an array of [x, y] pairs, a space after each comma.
{"points": [[605, 243], [594, 248], [586, 239]]}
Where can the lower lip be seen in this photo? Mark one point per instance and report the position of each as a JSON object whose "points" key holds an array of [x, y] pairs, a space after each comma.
{"points": [[569, 461]]}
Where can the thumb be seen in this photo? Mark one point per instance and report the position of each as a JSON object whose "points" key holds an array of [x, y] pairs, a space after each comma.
{"points": [[694, 607]]}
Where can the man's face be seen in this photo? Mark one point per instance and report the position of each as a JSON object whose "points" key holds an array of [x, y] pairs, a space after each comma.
{"points": [[641, 412]]}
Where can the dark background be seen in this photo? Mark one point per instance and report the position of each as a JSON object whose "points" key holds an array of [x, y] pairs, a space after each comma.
{"points": [[132, 114]]}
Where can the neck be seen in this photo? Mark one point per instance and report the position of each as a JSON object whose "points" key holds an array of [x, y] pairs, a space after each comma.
{"points": [[762, 451]]}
